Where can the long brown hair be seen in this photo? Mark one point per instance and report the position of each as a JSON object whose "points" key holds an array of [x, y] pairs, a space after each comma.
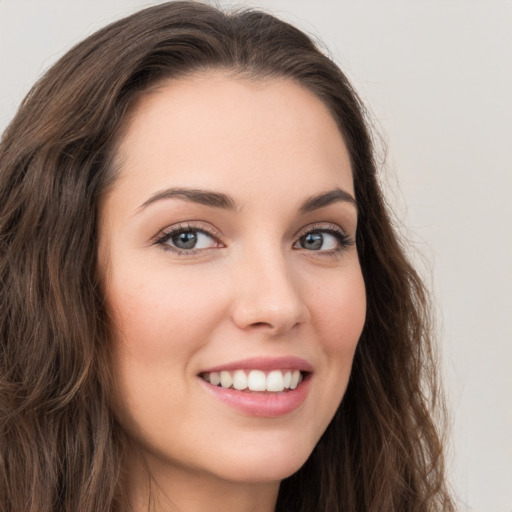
{"points": [[60, 447]]}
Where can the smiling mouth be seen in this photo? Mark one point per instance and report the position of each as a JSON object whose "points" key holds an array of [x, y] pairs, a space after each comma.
{"points": [[275, 381]]}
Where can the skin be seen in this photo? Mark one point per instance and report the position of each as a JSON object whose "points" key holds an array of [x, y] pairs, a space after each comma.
{"points": [[251, 290]]}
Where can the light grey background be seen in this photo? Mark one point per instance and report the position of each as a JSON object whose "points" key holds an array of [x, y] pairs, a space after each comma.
{"points": [[438, 77]]}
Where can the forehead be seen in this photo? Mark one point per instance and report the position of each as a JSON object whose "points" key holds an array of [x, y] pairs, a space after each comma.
{"points": [[212, 130]]}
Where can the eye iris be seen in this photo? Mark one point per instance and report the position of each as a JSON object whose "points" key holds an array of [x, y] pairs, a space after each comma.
{"points": [[185, 240], [313, 241]]}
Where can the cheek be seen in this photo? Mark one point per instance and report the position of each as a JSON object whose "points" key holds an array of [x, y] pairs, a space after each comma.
{"points": [[338, 309], [160, 320], [340, 312], [155, 313]]}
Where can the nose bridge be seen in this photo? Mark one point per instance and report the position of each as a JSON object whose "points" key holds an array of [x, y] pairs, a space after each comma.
{"points": [[268, 294]]}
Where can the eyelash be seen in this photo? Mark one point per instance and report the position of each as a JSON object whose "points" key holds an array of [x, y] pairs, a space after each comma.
{"points": [[344, 240], [184, 228]]}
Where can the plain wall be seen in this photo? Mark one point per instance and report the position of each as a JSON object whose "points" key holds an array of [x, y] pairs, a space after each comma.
{"points": [[437, 75]]}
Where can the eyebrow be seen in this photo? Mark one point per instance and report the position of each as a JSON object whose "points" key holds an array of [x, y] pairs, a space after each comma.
{"points": [[325, 199], [224, 201], [206, 197]]}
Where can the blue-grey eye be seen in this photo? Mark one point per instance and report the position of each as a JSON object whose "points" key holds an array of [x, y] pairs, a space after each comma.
{"points": [[319, 241], [190, 239], [312, 241], [185, 240]]}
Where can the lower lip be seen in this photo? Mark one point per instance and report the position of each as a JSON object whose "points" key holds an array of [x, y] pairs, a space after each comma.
{"points": [[267, 405]]}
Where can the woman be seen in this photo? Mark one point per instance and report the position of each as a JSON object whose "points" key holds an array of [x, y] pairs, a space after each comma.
{"points": [[204, 304]]}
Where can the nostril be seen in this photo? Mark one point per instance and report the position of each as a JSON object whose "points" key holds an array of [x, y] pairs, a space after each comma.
{"points": [[261, 324], [274, 328]]}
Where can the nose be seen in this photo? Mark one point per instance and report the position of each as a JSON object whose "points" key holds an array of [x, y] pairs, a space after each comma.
{"points": [[267, 296]]}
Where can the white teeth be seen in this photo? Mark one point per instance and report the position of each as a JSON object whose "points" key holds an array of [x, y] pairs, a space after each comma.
{"points": [[226, 380], [257, 381], [287, 379], [240, 380], [274, 381], [295, 379]]}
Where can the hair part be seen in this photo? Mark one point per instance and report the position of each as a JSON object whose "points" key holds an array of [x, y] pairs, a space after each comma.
{"points": [[61, 447]]}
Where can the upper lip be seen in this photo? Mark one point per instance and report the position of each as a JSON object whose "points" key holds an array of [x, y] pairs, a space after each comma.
{"points": [[264, 364]]}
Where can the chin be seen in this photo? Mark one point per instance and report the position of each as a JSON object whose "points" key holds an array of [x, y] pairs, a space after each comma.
{"points": [[259, 465]]}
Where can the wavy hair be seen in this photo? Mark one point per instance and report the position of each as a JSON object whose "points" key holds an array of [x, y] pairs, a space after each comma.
{"points": [[60, 446]]}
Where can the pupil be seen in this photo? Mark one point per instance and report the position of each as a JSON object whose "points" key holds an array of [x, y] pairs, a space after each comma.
{"points": [[313, 241], [186, 240]]}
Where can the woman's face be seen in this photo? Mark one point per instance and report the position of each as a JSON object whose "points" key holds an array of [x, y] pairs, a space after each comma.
{"points": [[227, 246]]}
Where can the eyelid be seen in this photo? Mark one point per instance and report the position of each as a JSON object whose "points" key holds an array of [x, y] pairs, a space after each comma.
{"points": [[200, 226], [344, 239], [325, 226]]}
